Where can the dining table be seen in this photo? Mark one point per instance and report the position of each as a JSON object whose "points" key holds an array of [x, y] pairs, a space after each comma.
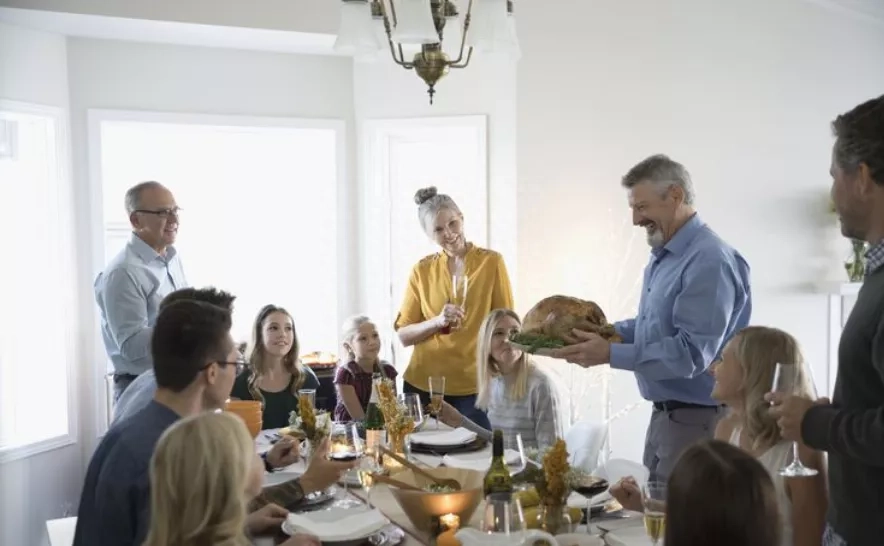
{"points": [[622, 528]]}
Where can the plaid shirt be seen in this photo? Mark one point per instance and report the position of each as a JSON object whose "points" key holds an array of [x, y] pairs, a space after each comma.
{"points": [[874, 258]]}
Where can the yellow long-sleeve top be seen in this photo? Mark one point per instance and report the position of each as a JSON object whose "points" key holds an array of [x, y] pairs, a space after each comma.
{"points": [[429, 289]]}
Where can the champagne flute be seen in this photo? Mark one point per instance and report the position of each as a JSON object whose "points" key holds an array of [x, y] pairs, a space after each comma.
{"points": [[459, 283], [368, 467], [514, 453], [437, 395], [654, 501], [787, 379]]}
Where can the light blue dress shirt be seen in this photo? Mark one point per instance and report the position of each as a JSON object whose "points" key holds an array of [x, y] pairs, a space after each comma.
{"points": [[695, 297], [128, 293], [136, 397]]}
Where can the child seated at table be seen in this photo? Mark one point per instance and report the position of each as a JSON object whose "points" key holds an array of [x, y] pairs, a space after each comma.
{"points": [[353, 377]]}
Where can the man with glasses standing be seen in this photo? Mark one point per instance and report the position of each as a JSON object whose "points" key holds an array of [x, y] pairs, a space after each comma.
{"points": [[133, 284]]}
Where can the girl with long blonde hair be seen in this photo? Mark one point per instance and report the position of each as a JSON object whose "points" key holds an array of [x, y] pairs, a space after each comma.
{"points": [[275, 372], [202, 474], [519, 398], [742, 378], [353, 377]]}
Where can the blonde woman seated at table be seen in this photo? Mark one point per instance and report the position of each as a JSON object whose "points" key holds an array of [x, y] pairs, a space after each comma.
{"points": [[742, 377], [353, 378], [202, 475], [518, 397]]}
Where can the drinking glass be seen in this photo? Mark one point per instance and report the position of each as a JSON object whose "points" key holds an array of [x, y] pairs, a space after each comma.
{"points": [[413, 407], [787, 379], [654, 502], [369, 465], [459, 284], [345, 445], [582, 459], [437, 394], [310, 394], [503, 516], [514, 453]]}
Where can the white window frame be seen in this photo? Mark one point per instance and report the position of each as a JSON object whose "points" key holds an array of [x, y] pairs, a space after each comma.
{"points": [[345, 212], [68, 308], [376, 280]]}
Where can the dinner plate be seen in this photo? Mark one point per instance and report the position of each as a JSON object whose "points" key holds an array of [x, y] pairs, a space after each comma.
{"points": [[476, 445], [338, 524]]}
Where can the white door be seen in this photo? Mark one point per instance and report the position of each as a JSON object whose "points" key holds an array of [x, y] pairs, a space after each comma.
{"points": [[400, 157]]}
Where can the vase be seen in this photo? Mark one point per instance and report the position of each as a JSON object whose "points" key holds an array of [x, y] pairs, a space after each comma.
{"points": [[396, 444], [553, 518]]}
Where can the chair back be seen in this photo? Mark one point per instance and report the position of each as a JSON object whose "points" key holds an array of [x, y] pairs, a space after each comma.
{"points": [[61, 531], [585, 440]]}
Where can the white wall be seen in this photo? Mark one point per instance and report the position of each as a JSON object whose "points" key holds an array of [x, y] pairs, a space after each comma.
{"points": [[33, 68], [741, 92], [165, 78]]}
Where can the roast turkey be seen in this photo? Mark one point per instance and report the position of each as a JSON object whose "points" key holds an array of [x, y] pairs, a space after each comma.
{"points": [[551, 320]]}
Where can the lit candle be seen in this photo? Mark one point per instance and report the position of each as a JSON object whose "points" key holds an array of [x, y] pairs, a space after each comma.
{"points": [[450, 521]]}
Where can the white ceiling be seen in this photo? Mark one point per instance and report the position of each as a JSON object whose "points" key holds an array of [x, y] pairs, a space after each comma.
{"points": [[872, 10], [169, 32]]}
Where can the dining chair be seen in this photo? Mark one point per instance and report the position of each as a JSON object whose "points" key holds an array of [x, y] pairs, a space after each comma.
{"points": [[585, 439], [61, 531]]}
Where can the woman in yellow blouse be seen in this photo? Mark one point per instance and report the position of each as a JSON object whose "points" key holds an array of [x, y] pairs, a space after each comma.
{"points": [[444, 335]]}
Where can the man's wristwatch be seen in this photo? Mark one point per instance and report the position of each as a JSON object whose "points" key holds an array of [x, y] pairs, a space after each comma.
{"points": [[267, 466]]}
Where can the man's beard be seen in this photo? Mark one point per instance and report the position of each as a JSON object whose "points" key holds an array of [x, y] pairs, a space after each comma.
{"points": [[655, 237]]}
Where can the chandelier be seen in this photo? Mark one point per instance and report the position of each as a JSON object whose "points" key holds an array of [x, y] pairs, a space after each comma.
{"points": [[433, 26]]}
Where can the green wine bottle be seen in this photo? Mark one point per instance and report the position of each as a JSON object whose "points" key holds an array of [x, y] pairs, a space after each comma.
{"points": [[375, 433], [498, 484]]}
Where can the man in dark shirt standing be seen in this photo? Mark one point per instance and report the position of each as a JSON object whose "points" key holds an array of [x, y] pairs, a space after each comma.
{"points": [[851, 427]]}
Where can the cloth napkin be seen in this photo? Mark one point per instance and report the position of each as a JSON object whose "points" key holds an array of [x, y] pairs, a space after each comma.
{"points": [[458, 436], [338, 524], [479, 461], [576, 500]]}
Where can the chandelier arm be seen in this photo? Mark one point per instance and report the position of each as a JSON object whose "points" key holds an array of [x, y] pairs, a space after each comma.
{"points": [[400, 59], [463, 39], [466, 61]]}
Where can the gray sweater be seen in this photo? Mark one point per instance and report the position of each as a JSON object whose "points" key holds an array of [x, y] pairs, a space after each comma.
{"points": [[851, 430], [535, 416]]}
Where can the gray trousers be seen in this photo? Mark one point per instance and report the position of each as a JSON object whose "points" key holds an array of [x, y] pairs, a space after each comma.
{"points": [[671, 431]]}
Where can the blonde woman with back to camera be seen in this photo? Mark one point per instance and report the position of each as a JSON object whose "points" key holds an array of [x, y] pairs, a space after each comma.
{"points": [[518, 397], [203, 474], [444, 331], [742, 377]]}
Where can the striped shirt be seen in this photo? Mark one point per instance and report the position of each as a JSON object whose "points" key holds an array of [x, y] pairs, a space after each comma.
{"points": [[535, 416]]}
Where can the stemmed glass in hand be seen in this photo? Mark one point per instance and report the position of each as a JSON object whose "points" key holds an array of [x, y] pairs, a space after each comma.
{"points": [[345, 444], [787, 380], [654, 503]]}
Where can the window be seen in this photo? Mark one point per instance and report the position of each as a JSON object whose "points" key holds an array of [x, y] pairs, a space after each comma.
{"points": [[259, 200], [37, 324]]}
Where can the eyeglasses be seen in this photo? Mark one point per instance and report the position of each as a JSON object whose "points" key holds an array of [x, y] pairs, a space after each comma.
{"points": [[162, 213], [239, 364]]}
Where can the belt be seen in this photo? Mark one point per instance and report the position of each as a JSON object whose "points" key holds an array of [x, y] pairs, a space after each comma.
{"points": [[118, 377], [672, 405]]}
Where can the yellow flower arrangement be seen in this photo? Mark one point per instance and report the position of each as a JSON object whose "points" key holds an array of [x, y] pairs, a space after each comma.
{"points": [[396, 421], [555, 474], [314, 427]]}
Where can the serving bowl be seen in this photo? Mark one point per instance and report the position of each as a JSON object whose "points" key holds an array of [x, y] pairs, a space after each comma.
{"points": [[422, 507]]}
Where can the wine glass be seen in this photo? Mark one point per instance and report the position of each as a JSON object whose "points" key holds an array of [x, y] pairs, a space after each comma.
{"points": [[309, 394], [413, 407], [787, 379], [345, 445], [437, 394], [586, 486], [459, 282], [654, 502], [503, 516], [514, 453], [369, 465]]}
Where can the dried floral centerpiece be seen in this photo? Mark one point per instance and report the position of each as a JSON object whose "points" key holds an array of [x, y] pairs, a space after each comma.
{"points": [[396, 419], [553, 481], [307, 422]]}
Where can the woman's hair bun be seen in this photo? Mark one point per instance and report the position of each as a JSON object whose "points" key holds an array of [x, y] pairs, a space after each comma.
{"points": [[425, 194]]}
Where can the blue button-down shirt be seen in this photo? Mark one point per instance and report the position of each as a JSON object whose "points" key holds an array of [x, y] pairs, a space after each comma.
{"points": [[128, 293], [695, 297]]}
